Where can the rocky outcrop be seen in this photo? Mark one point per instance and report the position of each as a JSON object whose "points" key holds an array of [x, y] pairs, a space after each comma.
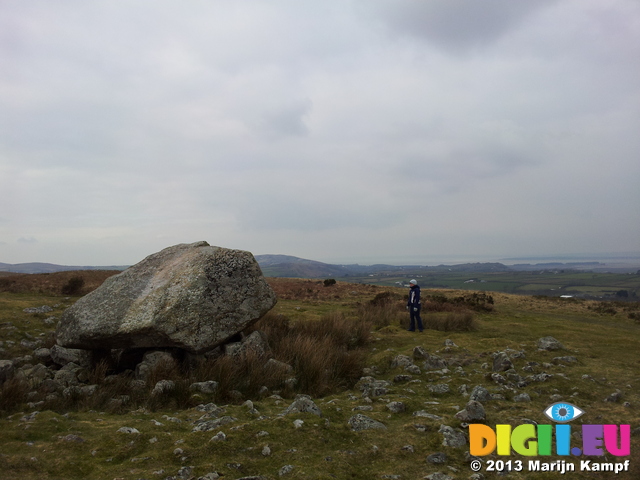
{"points": [[189, 296]]}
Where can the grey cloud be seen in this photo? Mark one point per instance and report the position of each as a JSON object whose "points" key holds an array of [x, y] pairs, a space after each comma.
{"points": [[300, 127], [285, 120], [454, 25], [27, 240]]}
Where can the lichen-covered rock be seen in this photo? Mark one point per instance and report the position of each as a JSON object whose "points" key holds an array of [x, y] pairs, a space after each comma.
{"points": [[473, 412], [190, 296], [370, 387], [501, 362], [401, 361], [256, 343], [152, 360], [396, 407], [439, 388], [361, 422], [209, 386], [452, 437], [302, 404], [162, 387], [480, 394], [62, 356], [549, 343], [204, 425]]}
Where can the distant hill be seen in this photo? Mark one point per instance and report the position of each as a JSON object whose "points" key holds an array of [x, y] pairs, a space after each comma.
{"points": [[295, 267], [37, 267]]}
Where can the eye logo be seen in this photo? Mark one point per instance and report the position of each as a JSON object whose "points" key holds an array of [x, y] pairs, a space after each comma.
{"points": [[563, 412]]}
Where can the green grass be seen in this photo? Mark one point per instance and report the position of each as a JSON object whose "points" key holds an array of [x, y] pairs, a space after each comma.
{"points": [[606, 346]]}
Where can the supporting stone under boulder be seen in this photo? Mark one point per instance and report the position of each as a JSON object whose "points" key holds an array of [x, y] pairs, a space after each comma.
{"points": [[189, 296]]}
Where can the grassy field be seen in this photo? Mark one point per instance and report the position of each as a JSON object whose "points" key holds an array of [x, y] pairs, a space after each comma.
{"points": [[86, 444]]}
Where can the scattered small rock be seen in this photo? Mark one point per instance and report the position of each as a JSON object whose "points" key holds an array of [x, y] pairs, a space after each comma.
{"points": [[438, 457], [42, 309], [474, 411], [396, 407], [452, 437], [128, 430], [301, 404], [440, 388], [361, 422], [287, 469], [549, 343], [523, 397]]}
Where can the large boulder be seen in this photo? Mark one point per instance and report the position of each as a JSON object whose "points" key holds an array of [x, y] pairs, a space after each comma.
{"points": [[190, 296]]}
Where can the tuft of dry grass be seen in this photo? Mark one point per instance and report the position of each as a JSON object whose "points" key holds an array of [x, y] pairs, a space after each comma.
{"points": [[460, 321], [385, 309], [13, 393]]}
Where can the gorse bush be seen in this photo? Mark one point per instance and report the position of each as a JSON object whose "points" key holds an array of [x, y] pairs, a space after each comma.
{"points": [[481, 302]]}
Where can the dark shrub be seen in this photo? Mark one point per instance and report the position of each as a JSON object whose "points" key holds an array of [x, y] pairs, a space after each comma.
{"points": [[73, 286]]}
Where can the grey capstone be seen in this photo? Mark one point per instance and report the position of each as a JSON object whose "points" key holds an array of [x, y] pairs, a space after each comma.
{"points": [[190, 296]]}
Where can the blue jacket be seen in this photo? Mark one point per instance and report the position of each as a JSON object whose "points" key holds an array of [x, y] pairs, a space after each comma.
{"points": [[414, 296]]}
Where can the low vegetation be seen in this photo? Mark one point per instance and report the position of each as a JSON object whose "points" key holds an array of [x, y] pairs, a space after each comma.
{"points": [[331, 337]]}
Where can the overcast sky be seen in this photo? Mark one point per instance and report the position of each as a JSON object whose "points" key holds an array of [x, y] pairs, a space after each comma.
{"points": [[342, 131]]}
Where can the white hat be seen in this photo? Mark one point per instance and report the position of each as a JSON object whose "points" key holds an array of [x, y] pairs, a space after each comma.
{"points": [[413, 282]]}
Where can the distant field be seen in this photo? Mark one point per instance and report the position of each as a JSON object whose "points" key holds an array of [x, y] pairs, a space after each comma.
{"points": [[529, 283]]}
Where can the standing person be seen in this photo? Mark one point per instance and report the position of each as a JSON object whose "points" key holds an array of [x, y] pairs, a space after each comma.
{"points": [[413, 305]]}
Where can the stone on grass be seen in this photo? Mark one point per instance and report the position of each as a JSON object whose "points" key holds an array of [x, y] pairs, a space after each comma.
{"points": [[564, 360], [438, 457], [302, 404], [189, 296], [425, 414], [523, 397], [396, 407], [208, 425], [128, 430], [439, 476], [501, 362], [480, 394], [473, 412], [255, 343], [208, 387], [287, 469], [361, 422], [163, 387], [439, 388], [401, 361], [452, 437], [549, 343], [370, 387]]}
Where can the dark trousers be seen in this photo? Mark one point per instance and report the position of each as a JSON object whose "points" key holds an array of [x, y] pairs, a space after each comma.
{"points": [[415, 318]]}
